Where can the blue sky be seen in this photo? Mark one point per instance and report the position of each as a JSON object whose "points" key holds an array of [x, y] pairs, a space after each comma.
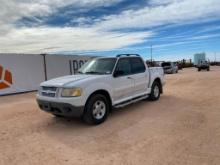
{"points": [[177, 29]]}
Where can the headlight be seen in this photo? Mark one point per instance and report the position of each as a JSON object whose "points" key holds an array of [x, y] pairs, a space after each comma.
{"points": [[71, 92]]}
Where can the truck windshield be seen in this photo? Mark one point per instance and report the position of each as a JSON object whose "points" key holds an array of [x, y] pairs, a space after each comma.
{"points": [[98, 66]]}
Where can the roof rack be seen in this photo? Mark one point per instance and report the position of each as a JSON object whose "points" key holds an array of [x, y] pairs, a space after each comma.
{"points": [[119, 55]]}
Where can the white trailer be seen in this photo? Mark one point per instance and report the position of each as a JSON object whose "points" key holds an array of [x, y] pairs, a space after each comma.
{"points": [[24, 72], [198, 58]]}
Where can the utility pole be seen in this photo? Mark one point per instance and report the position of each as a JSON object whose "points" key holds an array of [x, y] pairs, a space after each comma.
{"points": [[44, 65], [151, 50], [215, 56]]}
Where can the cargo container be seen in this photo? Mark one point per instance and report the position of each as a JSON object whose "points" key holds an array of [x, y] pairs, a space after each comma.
{"points": [[24, 72], [198, 58]]}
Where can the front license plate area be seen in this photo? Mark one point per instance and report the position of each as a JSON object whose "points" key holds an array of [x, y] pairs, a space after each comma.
{"points": [[47, 106]]}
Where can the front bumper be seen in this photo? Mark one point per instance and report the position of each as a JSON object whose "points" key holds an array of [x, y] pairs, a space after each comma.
{"points": [[203, 67], [62, 109]]}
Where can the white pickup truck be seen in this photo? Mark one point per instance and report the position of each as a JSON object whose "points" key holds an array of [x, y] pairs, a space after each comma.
{"points": [[101, 84]]}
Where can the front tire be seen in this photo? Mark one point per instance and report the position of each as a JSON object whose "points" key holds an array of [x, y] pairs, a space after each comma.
{"points": [[155, 91], [96, 109], [58, 116]]}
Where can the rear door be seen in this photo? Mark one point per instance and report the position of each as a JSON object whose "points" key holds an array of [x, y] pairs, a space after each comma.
{"points": [[123, 84], [140, 76]]}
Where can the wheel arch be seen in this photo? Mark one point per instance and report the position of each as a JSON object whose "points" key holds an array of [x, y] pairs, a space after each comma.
{"points": [[102, 92], [158, 80]]}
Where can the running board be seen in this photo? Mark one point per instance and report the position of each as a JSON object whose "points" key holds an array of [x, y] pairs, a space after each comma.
{"points": [[134, 100]]}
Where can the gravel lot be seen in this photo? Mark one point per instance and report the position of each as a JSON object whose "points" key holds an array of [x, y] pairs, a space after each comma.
{"points": [[182, 128]]}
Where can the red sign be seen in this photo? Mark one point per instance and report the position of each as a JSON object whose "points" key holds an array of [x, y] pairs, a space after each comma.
{"points": [[5, 78]]}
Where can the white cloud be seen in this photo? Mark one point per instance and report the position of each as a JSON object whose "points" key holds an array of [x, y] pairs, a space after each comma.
{"points": [[210, 29], [98, 36], [48, 39], [162, 2], [12, 10], [177, 12]]}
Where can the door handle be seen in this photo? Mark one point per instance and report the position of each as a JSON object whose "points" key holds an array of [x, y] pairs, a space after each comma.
{"points": [[129, 78]]}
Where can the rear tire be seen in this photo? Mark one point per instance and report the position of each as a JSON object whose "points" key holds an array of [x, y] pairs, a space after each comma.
{"points": [[96, 109], [208, 69], [155, 91], [199, 69]]}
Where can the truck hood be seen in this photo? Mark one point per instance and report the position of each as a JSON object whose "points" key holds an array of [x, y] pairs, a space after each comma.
{"points": [[66, 80]]}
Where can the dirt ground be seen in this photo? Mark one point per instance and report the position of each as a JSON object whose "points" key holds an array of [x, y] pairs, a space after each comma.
{"points": [[182, 128]]}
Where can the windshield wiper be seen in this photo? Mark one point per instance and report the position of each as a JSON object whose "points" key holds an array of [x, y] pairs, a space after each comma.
{"points": [[93, 72]]}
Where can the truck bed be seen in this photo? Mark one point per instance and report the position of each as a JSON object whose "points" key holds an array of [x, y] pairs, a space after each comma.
{"points": [[156, 72]]}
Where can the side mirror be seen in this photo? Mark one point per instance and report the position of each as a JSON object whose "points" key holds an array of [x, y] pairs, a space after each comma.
{"points": [[118, 73]]}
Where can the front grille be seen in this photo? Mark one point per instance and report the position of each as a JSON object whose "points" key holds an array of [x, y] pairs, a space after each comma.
{"points": [[48, 94], [49, 88], [48, 91]]}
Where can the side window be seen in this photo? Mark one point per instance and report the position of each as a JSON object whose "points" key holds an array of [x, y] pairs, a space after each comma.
{"points": [[124, 66], [137, 66]]}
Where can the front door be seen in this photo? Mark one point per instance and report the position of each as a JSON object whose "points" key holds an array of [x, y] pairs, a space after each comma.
{"points": [[123, 83]]}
